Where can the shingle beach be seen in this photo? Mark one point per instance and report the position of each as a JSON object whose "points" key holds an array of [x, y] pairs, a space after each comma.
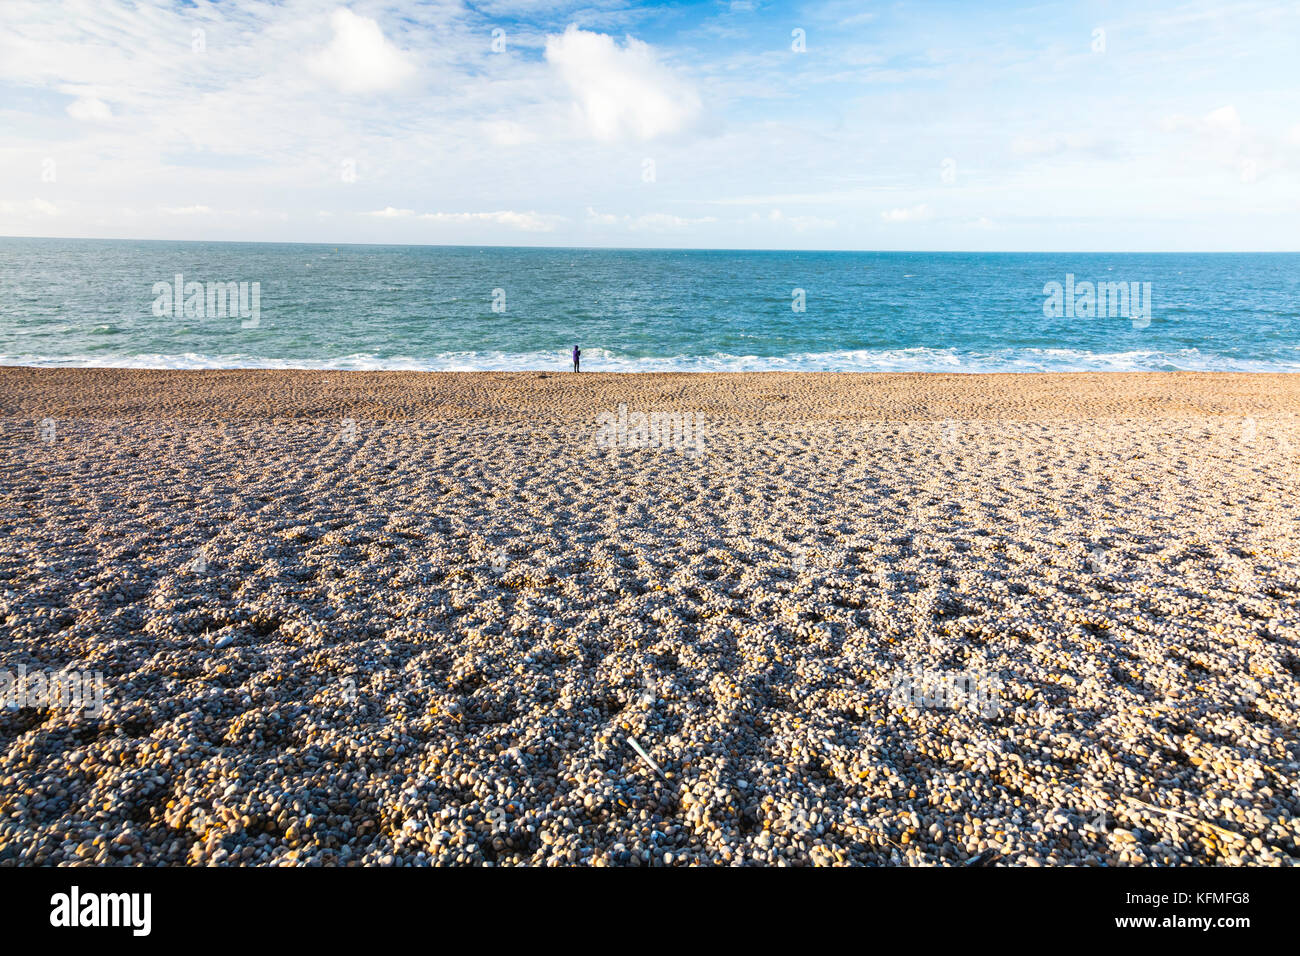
{"points": [[656, 619]]}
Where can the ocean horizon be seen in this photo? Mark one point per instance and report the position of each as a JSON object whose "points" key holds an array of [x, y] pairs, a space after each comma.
{"points": [[186, 304]]}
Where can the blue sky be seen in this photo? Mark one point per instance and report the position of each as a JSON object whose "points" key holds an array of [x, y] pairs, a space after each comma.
{"points": [[822, 125]]}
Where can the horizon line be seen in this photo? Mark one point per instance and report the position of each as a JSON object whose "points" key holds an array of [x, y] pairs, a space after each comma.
{"points": [[455, 245]]}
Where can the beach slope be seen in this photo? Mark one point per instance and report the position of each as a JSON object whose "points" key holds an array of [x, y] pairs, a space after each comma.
{"points": [[355, 617]]}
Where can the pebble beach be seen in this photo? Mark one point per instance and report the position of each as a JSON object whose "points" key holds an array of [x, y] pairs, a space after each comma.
{"points": [[532, 618]]}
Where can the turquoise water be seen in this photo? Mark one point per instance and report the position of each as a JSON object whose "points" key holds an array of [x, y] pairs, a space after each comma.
{"points": [[91, 302]]}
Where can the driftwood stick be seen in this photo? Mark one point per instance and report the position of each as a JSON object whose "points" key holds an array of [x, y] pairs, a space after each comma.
{"points": [[645, 756], [1183, 816]]}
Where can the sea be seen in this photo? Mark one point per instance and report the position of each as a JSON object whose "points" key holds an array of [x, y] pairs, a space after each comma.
{"points": [[164, 304]]}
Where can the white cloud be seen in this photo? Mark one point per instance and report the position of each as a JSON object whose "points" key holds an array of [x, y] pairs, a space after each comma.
{"points": [[918, 213], [88, 109], [508, 133], [1223, 120], [648, 222], [526, 221], [667, 222], [621, 92], [1248, 152], [188, 211], [1052, 145], [834, 197], [359, 59], [798, 223], [1218, 123], [33, 207], [660, 222], [1037, 145]]}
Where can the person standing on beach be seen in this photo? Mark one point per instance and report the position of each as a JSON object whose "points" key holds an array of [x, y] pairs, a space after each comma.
{"points": [[577, 357]]}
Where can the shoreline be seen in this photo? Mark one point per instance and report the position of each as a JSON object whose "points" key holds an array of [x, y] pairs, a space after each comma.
{"points": [[548, 364], [750, 396]]}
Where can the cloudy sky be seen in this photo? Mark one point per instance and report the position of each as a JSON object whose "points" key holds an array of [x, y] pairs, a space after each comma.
{"points": [[831, 124]]}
